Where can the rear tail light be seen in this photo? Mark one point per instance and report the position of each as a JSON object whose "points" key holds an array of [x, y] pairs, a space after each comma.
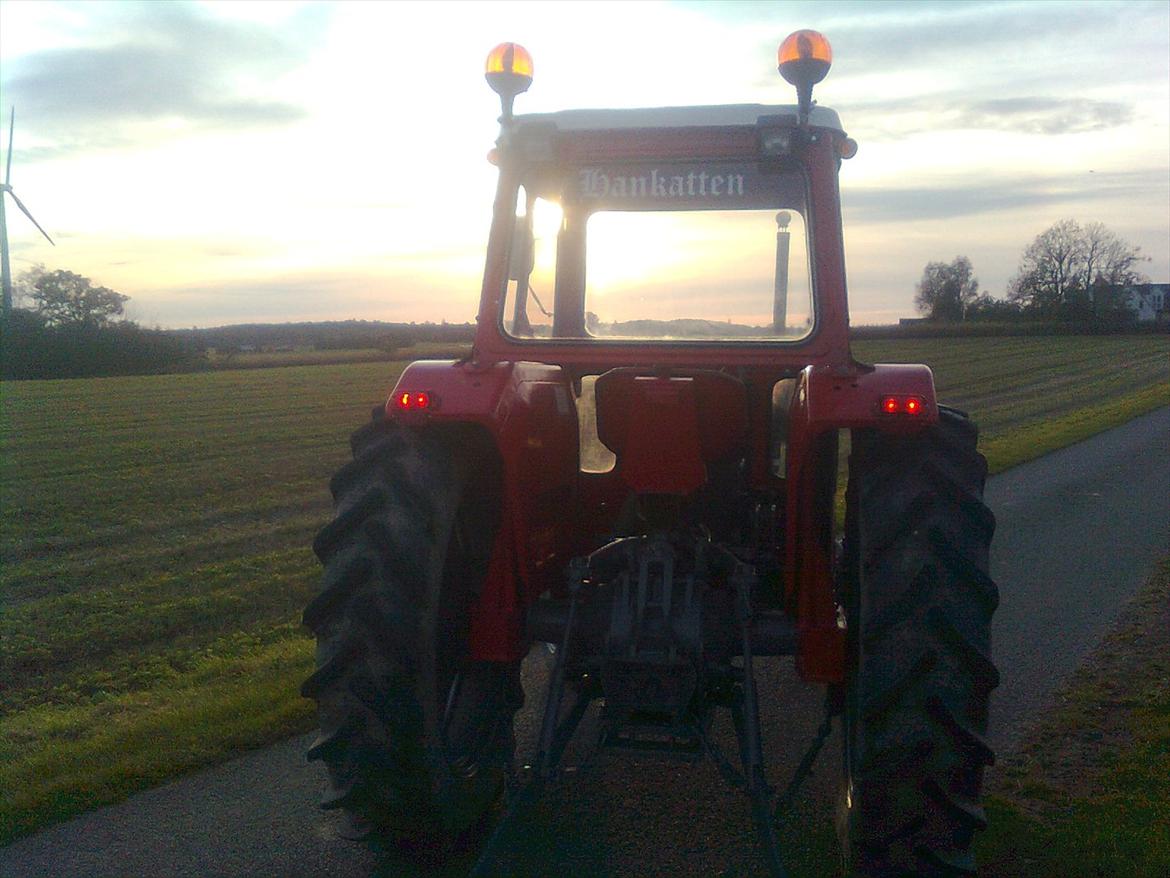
{"points": [[902, 405], [413, 400]]}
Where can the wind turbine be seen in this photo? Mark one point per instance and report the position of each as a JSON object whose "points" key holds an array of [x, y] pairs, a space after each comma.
{"points": [[6, 189]]}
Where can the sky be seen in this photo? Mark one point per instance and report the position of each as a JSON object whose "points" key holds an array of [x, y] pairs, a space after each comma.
{"points": [[229, 162]]}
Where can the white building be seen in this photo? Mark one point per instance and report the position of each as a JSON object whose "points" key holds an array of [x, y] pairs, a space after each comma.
{"points": [[1147, 301]]}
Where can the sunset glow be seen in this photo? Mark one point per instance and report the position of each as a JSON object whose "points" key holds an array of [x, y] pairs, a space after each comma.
{"points": [[231, 162]]}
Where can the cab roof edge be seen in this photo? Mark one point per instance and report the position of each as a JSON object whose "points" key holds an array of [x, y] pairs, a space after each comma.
{"points": [[674, 117]]}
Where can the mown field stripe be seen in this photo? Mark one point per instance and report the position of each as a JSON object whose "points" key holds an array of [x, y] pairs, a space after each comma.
{"points": [[82, 629]]}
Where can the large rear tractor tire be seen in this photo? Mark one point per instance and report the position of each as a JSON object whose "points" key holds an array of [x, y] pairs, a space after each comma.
{"points": [[919, 604], [415, 736]]}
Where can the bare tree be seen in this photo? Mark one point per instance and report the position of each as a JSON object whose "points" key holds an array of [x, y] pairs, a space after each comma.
{"points": [[1068, 259], [1108, 259], [1049, 267], [947, 290]]}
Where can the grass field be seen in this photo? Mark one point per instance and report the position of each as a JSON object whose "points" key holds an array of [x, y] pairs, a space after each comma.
{"points": [[1032, 395], [330, 356], [154, 554]]}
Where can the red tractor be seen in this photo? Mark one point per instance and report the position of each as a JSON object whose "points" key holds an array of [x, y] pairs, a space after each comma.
{"points": [[637, 463]]}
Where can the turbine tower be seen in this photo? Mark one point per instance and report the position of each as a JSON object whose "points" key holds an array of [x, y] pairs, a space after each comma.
{"points": [[6, 189]]}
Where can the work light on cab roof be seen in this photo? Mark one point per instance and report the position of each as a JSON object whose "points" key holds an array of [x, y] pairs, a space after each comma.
{"points": [[804, 59], [509, 72]]}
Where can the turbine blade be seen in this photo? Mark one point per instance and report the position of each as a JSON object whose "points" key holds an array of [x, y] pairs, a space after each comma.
{"points": [[8, 166], [24, 210]]}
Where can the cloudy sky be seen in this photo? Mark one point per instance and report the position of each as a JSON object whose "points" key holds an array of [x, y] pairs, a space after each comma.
{"points": [[234, 161]]}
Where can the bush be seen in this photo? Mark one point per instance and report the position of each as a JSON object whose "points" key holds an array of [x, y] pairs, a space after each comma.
{"points": [[31, 349]]}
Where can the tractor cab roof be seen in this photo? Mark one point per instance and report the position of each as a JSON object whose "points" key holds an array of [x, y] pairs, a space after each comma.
{"points": [[717, 116]]}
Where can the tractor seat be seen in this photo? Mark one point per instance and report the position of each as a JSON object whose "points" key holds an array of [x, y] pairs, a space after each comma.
{"points": [[665, 427]]}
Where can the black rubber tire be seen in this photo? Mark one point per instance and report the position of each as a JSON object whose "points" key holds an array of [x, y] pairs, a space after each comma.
{"points": [[416, 738], [919, 604]]}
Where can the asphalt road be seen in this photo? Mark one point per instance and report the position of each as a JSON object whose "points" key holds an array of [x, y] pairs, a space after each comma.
{"points": [[1078, 532]]}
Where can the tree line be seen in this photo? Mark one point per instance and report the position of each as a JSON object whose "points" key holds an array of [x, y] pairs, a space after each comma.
{"points": [[76, 328], [326, 335], [72, 327], [1068, 273]]}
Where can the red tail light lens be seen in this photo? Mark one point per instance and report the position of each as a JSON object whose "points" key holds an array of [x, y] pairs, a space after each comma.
{"points": [[902, 405], [414, 400]]}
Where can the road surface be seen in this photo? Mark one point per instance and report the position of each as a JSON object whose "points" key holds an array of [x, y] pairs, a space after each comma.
{"points": [[1078, 532]]}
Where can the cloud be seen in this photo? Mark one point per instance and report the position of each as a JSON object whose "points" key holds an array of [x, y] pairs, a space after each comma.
{"points": [[146, 64], [87, 85], [954, 53], [318, 295], [879, 37], [1036, 115], [1029, 114], [908, 204]]}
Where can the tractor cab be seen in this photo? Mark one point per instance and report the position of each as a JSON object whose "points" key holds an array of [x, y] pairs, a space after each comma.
{"points": [[694, 250], [618, 241], [699, 235]]}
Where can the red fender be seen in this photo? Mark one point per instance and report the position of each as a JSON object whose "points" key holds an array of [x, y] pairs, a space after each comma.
{"points": [[529, 411], [825, 401]]}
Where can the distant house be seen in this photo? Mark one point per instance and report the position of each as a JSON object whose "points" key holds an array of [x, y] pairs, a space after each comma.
{"points": [[1150, 301], [1147, 302]]}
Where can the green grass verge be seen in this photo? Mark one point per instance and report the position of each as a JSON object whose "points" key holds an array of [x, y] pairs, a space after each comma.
{"points": [[153, 546], [1087, 794], [235, 694], [1029, 441]]}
